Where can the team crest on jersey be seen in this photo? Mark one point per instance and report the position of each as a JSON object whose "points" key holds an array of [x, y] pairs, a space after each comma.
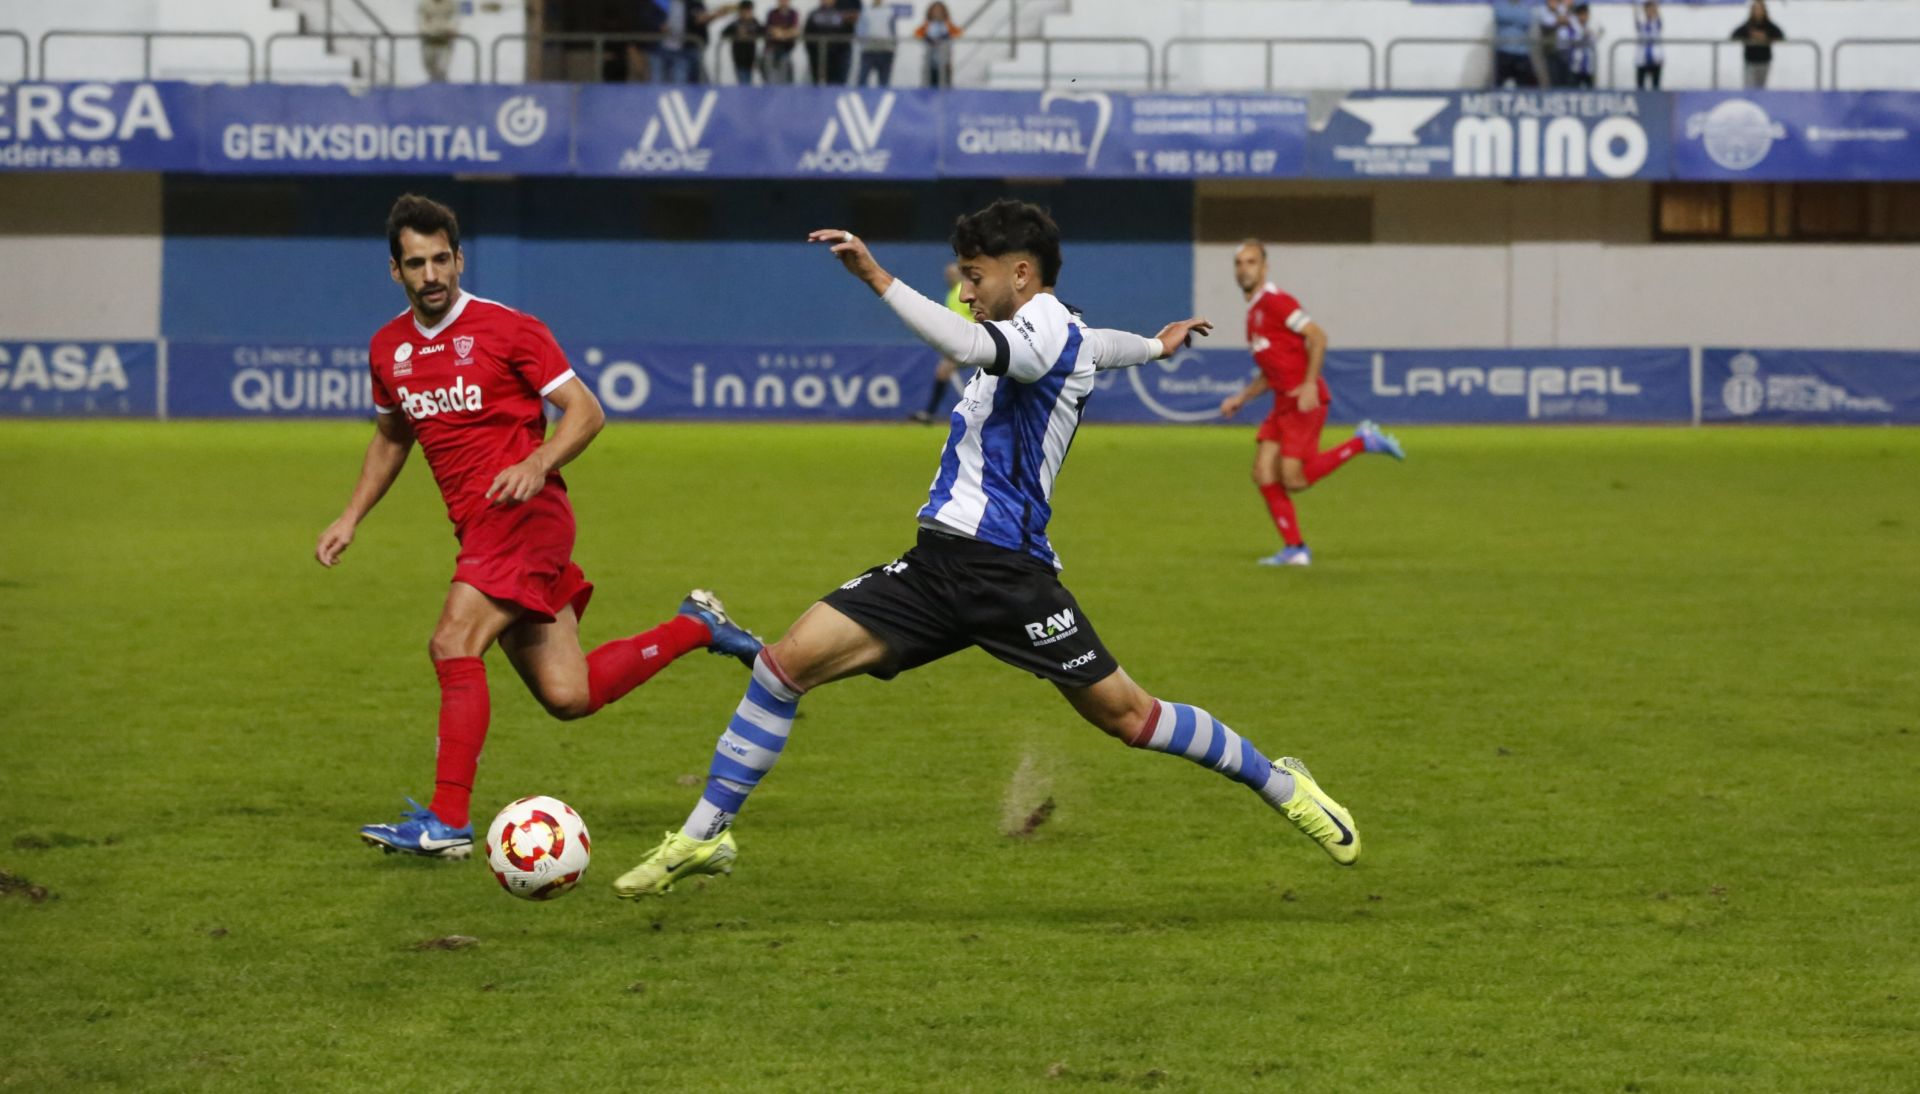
{"points": [[463, 349], [402, 353]]}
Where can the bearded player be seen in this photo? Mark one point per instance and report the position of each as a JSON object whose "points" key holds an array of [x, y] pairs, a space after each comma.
{"points": [[466, 377], [982, 572], [1290, 349]]}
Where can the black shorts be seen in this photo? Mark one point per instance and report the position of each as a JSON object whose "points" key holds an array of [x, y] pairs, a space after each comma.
{"points": [[949, 593]]}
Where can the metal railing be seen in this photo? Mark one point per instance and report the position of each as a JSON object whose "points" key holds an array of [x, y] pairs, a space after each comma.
{"points": [[147, 38], [26, 51], [592, 42], [1268, 46], [711, 59], [1394, 45], [373, 40], [1715, 46], [1835, 51]]}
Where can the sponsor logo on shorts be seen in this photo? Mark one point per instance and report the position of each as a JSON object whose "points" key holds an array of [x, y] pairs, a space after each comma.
{"points": [[1055, 627], [1085, 658], [894, 568]]}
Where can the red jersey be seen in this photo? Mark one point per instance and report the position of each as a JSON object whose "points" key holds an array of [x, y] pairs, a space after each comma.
{"points": [[473, 386], [1275, 329]]}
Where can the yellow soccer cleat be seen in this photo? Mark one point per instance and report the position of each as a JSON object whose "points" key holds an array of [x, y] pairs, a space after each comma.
{"points": [[677, 857], [1324, 820]]}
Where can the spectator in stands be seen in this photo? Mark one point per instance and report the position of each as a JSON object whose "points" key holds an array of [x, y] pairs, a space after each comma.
{"points": [[1649, 55], [877, 40], [938, 32], [683, 50], [1512, 41], [1758, 33], [627, 58], [840, 51], [823, 26], [783, 31], [1582, 39], [439, 22], [1548, 19], [743, 42]]}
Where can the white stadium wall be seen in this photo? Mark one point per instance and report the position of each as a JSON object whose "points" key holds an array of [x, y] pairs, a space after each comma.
{"points": [[1501, 264], [80, 256]]}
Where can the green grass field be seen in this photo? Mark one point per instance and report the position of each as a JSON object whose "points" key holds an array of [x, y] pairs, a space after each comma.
{"points": [[1630, 720]]}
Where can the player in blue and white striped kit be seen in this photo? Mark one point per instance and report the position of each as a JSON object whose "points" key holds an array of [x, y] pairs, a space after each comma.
{"points": [[982, 572]]}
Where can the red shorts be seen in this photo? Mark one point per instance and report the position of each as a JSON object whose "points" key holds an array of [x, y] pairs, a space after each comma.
{"points": [[1297, 434], [524, 554]]}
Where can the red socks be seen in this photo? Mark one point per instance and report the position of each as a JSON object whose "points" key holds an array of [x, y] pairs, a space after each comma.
{"points": [[625, 663], [464, 710], [1326, 463], [1281, 506]]}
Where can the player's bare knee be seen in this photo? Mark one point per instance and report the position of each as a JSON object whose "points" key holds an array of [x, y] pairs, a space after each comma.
{"points": [[1263, 476], [1295, 482], [566, 703]]}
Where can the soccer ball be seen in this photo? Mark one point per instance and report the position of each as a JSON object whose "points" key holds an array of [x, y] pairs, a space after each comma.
{"points": [[538, 848]]}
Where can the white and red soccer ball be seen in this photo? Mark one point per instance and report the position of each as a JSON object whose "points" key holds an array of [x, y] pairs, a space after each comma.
{"points": [[538, 848]]}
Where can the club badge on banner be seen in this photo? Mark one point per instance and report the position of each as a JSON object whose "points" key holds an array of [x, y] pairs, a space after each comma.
{"points": [[1796, 135], [1512, 385], [525, 129], [994, 134], [803, 132], [1491, 134], [99, 127], [268, 380], [79, 379], [1834, 387]]}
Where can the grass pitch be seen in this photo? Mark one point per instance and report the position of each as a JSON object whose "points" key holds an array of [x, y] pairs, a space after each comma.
{"points": [[1630, 720]]}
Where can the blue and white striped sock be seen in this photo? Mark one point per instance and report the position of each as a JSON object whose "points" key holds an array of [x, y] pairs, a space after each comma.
{"points": [[746, 751], [1191, 732]]}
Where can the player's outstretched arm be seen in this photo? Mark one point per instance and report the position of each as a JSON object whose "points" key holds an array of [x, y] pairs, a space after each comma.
{"points": [[1122, 349], [386, 455], [581, 419]]}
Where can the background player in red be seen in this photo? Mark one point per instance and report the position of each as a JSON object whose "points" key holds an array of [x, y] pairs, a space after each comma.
{"points": [[1290, 349], [467, 377]]}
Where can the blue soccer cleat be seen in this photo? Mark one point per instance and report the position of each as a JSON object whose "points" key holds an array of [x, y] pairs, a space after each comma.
{"points": [[1289, 556], [420, 832], [729, 638], [1375, 441]]}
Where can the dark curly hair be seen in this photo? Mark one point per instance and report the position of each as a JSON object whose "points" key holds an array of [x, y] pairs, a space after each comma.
{"points": [[1009, 227], [423, 215]]}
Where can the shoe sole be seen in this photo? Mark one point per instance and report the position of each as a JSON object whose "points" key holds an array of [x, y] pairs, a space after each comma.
{"points": [[450, 854]]}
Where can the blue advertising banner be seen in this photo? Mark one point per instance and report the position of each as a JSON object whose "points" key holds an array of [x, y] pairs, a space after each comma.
{"points": [[1512, 385], [1493, 134], [802, 132], [291, 129], [99, 127], [79, 379], [1796, 135], [999, 134], [1833, 387], [746, 383], [266, 380]]}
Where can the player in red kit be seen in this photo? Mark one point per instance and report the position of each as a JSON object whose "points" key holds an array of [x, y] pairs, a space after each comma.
{"points": [[467, 378], [1290, 349]]}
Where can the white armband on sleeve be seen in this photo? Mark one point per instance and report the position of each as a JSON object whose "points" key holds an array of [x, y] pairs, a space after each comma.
{"points": [[964, 341], [1297, 322], [1120, 349]]}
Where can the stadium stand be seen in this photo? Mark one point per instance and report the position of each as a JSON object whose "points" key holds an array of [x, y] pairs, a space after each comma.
{"points": [[1009, 44]]}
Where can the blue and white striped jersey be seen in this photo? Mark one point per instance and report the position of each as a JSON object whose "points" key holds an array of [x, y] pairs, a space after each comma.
{"points": [[1012, 428]]}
